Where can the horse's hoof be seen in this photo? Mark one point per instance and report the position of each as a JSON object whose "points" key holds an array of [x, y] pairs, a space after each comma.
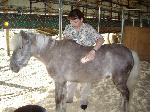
{"points": [[83, 107], [69, 101]]}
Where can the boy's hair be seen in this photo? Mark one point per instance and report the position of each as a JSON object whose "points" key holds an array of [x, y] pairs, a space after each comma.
{"points": [[31, 108], [75, 14]]}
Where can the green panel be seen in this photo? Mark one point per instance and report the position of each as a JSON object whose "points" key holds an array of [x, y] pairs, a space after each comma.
{"points": [[32, 21]]}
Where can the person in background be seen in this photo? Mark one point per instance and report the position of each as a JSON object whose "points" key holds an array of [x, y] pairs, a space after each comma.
{"points": [[83, 33], [31, 108]]}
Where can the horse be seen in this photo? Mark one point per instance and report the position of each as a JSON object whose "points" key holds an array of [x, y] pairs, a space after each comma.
{"points": [[62, 61]]}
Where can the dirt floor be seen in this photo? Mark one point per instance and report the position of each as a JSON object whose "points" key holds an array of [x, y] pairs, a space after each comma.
{"points": [[32, 85]]}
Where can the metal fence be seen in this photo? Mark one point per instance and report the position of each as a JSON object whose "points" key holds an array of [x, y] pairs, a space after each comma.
{"points": [[32, 21]]}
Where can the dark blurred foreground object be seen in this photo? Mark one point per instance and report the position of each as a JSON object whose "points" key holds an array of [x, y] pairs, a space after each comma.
{"points": [[31, 108]]}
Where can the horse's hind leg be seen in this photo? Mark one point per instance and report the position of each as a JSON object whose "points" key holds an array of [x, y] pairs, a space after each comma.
{"points": [[60, 96], [120, 82]]}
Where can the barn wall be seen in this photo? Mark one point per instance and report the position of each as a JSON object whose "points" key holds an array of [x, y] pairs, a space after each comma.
{"points": [[138, 39]]}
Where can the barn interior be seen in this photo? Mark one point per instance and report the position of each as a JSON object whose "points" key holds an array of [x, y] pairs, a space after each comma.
{"points": [[119, 21]]}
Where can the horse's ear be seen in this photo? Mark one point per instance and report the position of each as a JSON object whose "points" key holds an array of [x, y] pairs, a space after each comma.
{"points": [[23, 34]]}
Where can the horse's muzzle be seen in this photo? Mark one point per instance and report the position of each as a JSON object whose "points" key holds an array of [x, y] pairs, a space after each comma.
{"points": [[14, 68]]}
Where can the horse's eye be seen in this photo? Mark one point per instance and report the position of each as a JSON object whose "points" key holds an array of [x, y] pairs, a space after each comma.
{"points": [[27, 41], [20, 47]]}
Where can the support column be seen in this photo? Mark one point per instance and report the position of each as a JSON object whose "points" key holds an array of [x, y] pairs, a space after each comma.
{"points": [[6, 25], [60, 18], [122, 26], [7, 42], [99, 18]]}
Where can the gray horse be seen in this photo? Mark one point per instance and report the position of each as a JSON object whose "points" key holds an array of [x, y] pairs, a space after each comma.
{"points": [[62, 60]]}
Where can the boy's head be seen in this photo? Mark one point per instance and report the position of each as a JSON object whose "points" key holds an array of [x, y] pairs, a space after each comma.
{"points": [[76, 17], [31, 108]]}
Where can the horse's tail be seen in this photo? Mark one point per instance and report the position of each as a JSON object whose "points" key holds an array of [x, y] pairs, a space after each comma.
{"points": [[134, 75]]}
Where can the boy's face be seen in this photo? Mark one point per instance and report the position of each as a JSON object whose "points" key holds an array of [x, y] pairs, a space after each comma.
{"points": [[76, 22]]}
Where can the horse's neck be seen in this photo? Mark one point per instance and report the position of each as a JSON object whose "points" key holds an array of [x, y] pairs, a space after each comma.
{"points": [[43, 46]]}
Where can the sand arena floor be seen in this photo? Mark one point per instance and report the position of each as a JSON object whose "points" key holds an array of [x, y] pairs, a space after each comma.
{"points": [[32, 85]]}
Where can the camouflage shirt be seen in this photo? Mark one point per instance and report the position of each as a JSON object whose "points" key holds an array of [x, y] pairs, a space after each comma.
{"points": [[86, 36]]}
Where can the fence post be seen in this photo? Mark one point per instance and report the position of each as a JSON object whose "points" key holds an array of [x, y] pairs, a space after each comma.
{"points": [[99, 18], [7, 42], [122, 26], [60, 18]]}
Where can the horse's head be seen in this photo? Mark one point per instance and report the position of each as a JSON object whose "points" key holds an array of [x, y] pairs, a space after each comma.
{"points": [[21, 53]]}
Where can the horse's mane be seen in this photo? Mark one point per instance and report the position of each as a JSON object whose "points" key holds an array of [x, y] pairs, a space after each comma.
{"points": [[42, 40], [15, 41]]}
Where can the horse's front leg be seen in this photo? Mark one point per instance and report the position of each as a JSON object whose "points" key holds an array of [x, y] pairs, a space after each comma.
{"points": [[60, 96], [71, 88], [85, 91]]}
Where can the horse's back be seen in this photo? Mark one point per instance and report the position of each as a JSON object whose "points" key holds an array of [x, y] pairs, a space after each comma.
{"points": [[108, 59]]}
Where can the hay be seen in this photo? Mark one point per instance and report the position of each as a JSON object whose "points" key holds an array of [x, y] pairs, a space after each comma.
{"points": [[32, 85]]}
